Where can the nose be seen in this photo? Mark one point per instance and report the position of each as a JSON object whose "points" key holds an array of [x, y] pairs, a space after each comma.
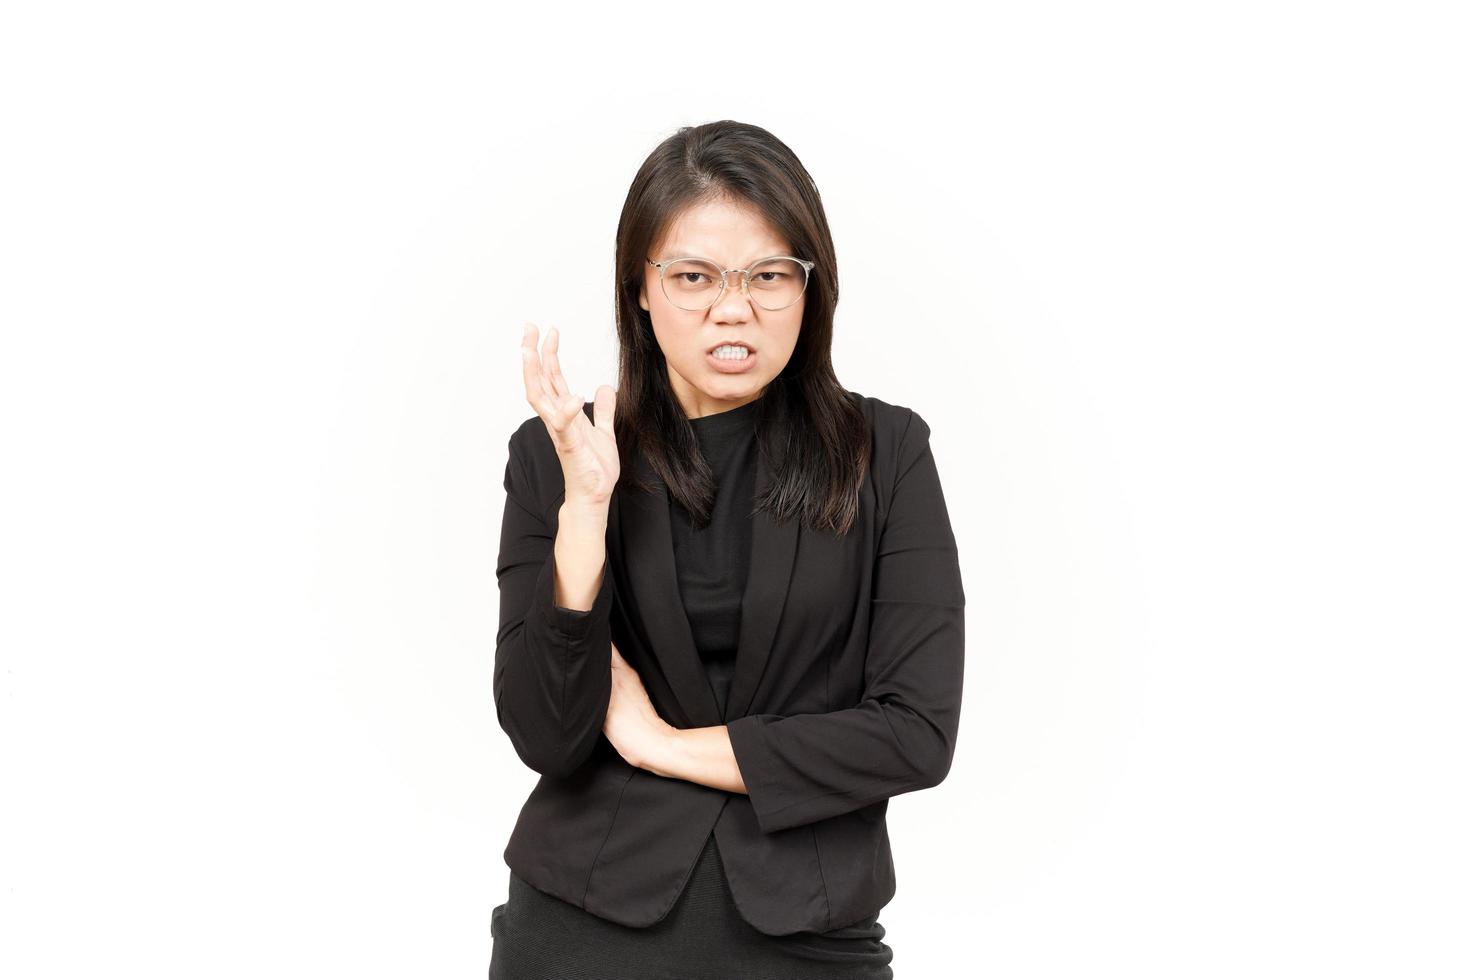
{"points": [[734, 302]]}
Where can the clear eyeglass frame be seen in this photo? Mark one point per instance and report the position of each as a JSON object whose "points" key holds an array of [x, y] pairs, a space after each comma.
{"points": [[806, 264]]}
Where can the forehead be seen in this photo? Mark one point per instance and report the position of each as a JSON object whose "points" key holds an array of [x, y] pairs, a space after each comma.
{"points": [[728, 232]]}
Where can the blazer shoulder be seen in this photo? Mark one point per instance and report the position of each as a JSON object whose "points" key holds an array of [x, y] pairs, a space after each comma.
{"points": [[898, 430], [900, 440]]}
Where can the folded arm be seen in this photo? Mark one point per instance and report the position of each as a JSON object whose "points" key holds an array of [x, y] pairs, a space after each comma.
{"points": [[901, 736]]}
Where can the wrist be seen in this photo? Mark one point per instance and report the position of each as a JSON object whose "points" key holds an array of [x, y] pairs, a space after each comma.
{"points": [[664, 751], [583, 514]]}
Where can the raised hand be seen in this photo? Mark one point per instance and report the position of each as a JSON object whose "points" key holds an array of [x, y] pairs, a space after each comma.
{"points": [[587, 448]]}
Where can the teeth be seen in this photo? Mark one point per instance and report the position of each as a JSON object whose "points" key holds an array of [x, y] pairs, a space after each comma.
{"points": [[731, 352]]}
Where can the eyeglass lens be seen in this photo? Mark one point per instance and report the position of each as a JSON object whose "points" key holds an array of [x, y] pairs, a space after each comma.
{"points": [[693, 284]]}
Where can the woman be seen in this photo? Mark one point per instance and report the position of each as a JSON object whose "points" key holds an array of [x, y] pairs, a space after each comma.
{"points": [[727, 655]]}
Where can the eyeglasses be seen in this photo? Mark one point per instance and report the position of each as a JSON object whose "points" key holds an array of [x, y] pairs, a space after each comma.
{"points": [[695, 285]]}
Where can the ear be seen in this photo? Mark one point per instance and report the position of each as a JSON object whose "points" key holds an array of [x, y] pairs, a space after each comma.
{"points": [[643, 297]]}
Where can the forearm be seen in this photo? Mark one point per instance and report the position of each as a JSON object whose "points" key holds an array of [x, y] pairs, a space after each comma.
{"points": [[697, 755], [581, 554]]}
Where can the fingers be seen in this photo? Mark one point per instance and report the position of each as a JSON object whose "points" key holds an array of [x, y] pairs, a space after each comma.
{"points": [[570, 401], [557, 409], [551, 364], [536, 392]]}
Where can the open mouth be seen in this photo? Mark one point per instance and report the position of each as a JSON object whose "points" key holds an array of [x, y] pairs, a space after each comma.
{"points": [[731, 358], [731, 351]]}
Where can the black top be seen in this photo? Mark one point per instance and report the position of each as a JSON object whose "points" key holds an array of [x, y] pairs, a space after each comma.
{"points": [[714, 561], [537, 934]]}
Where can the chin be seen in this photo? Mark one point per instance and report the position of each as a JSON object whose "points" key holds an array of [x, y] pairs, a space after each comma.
{"points": [[736, 384]]}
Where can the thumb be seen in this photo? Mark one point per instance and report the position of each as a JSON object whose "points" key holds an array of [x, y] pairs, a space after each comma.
{"points": [[604, 405]]}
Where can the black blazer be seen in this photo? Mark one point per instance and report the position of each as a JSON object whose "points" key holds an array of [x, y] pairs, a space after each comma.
{"points": [[846, 693]]}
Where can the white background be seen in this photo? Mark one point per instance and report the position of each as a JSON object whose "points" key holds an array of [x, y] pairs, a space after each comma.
{"points": [[1190, 335]]}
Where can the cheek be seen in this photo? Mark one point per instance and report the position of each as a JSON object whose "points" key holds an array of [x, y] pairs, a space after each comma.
{"points": [[790, 335], [673, 341]]}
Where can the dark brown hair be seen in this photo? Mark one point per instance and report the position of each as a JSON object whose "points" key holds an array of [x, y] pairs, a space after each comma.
{"points": [[810, 429]]}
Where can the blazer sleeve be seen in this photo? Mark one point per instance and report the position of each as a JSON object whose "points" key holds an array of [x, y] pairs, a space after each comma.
{"points": [[553, 665], [901, 737]]}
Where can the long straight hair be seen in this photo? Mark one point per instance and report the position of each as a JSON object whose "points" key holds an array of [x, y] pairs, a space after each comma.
{"points": [[810, 430]]}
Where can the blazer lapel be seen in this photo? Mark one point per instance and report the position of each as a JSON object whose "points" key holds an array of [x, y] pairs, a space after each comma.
{"points": [[772, 557], [652, 576]]}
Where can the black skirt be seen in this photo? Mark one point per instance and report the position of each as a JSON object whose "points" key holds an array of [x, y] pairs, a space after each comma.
{"points": [[540, 937]]}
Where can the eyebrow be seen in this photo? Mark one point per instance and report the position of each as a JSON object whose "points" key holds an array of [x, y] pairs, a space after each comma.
{"points": [[672, 254]]}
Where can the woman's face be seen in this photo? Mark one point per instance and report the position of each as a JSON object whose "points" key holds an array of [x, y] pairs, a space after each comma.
{"points": [[732, 236]]}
